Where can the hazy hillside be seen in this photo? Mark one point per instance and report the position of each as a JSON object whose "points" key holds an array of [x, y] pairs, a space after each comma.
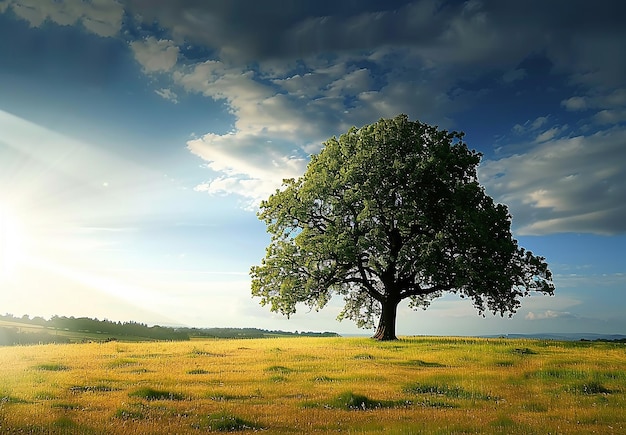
{"points": [[61, 329]]}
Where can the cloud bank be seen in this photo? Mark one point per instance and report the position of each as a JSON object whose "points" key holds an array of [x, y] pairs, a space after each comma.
{"points": [[293, 76], [569, 184], [102, 17]]}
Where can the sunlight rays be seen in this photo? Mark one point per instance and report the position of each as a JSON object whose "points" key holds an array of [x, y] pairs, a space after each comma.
{"points": [[92, 281], [64, 205], [65, 180], [13, 243]]}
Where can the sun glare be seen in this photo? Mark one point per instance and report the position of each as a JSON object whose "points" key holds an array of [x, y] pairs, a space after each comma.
{"points": [[32, 257], [13, 240]]}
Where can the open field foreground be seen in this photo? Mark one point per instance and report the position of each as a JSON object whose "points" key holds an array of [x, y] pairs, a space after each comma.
{"points": [[315, 385]]}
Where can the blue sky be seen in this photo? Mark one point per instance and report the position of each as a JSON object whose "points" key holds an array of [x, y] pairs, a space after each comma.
{"points": [[138, 137]]}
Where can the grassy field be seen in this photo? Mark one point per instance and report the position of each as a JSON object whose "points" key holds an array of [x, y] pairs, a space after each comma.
{"points": [[315, 385]]}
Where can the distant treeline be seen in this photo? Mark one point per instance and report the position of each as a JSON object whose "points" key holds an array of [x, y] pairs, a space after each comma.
{"points": [[248, 333], [106, 328], [39, 330]]}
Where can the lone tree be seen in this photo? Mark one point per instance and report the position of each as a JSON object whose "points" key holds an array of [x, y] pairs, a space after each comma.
{"points": [[387, 212]]}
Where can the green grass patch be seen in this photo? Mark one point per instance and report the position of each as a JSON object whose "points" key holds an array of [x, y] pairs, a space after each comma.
{"points": [[453, 392], [146, 355], [279, 369], [591, 387], [616, 375], [198, 372], [560, 373], [391, 345], [90, 388], [277, 379], [440, 404], [535, 407], [64, 423], [523, 351], [52, 367], [128, 414], [121, 362], [45, 395], [152, 394], [365, 356], [504, 423], [226, 422], [227, 397], [11, 399], [354, 402], [420, 363], [305, 357], [324, 378], [201, 352], [66, 406]]}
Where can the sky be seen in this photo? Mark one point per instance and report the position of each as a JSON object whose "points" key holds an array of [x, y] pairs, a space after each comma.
{"points": [[138, 137]]}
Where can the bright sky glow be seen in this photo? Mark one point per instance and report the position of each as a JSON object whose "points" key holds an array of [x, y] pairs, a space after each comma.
{"points": [[12, 243], [137, 139]]}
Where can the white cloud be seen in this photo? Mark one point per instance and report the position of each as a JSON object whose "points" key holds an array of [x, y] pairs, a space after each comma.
{"points": [[351, 84], [244, 94], [103, 17], [609, 100], [274, 129], [252, 166], [605, 117], [167, 94], [564, 185], [155, 55], [617, 98], [612, 106], [548, 314], [538, 123], [530, 126], [550, 133], [266, 144], [318, 77], [29, 12], [575, 103], [280, 120]]}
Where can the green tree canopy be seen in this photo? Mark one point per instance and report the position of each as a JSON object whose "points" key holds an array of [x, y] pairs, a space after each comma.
{"points": [[388, 212]]}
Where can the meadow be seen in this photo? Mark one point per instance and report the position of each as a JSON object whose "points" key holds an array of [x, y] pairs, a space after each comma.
{"points": [[315, 385]]}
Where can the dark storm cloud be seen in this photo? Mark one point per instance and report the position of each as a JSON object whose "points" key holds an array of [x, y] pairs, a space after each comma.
{"points": [[581, 38], [274, 28], [578, 34]]}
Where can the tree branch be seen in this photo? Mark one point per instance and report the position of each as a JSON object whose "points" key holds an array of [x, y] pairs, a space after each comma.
{"points": [[371, 290], [419, 291]]}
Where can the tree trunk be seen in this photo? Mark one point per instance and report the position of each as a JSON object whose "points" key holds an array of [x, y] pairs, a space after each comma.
{"points": [[387, 323]]}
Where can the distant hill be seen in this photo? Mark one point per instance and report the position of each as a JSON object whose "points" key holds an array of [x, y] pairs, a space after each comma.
{"points": [[565, 336], [61, 329]]}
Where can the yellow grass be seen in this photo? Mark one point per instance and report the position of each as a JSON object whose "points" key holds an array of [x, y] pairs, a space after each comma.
{"points": [[292, 385]]}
